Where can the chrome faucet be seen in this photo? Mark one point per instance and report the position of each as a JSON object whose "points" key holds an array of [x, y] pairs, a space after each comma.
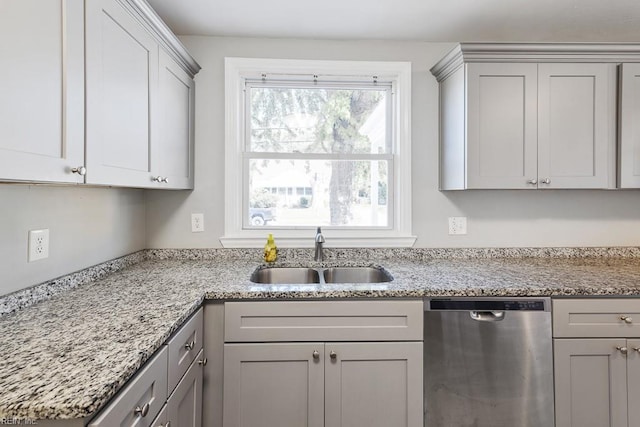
{"points": [[319, 256]]}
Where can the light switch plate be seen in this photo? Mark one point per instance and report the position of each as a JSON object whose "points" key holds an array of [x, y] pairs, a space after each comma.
{"points": [[38, 244]]}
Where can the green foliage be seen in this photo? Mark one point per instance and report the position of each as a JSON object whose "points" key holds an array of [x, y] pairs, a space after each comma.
{"points": [[312, 120], [262, 198]]}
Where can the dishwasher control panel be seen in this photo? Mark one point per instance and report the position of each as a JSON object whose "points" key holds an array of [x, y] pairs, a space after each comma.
{"points": [[481, 304]]}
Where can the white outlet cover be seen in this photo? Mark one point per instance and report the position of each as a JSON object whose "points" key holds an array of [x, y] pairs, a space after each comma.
{"points": [[38, 244], [457, 225], [197, 223]]}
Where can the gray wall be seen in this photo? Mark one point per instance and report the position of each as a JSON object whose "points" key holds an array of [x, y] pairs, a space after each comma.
{"points": [[495, 218], [87, 226]]}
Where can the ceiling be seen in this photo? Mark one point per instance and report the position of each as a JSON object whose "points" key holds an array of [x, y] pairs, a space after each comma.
{"points": [[425, 20]]}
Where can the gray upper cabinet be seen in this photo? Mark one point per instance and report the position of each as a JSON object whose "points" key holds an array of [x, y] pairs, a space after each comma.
{"points": [[172, 159], [122, 82], [99, 86], [629, 132], [528, 116], [576, 125], [41, 90], [501, 126]]}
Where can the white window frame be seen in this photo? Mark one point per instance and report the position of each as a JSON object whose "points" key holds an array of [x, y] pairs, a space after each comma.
{"points": [[237, 71]]}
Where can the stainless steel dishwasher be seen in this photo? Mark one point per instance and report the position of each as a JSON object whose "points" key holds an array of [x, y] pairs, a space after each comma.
{"points": [[488, 362]]}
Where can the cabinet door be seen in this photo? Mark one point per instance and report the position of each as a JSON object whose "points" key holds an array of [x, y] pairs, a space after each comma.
{"points": [[172, 156], [184, 407], [41, 90], [122, 80], [590, 383], [501, 125], [629, 155], [273, 385], [633, 382], [373, 384], [576, 125]]}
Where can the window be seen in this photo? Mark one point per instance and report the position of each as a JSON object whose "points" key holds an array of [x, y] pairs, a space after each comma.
{"points": [[317, 143]]}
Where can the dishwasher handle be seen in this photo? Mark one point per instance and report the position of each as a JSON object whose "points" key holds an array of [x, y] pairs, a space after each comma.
{"points": [[487, 316]]}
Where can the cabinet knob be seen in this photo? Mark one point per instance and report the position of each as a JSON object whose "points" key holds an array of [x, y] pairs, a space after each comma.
{"points": [[203, 362], [142, 411], [333, 355], [80, 170], [546, 181], [532, 181], [189, 346], [165, 180], [622, 350], [316, 355], [628, 320], [156, 178]]}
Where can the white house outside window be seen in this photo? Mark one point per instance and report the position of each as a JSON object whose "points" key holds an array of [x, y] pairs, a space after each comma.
{"points": [[317, 143]]}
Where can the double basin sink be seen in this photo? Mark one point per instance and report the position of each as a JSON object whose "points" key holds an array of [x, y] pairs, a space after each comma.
{"points": [[305, 275]]}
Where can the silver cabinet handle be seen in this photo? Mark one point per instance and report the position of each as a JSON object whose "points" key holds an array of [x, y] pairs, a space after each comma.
{"points": [[316, 355], [165, 180], [142, 411], [203, 362], [636, 349], [546, 181], [156, 178], [333, 355], [189, 346], [80, 170], [628, 320], [623, 350], [532, 181]]}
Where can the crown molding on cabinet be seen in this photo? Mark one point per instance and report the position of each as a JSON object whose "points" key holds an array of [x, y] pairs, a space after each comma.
{"points": [[166, 37], [534, 52]]}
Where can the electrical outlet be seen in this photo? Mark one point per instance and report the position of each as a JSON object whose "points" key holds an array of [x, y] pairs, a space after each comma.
{"points": [[457, 225], [38, 244], [197, 223]]}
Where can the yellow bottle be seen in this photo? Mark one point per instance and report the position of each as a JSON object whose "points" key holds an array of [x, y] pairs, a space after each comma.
{"points": [[270, 250]]}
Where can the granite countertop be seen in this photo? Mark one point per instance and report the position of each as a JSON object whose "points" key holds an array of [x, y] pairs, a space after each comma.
{"points": [[67, 355]]}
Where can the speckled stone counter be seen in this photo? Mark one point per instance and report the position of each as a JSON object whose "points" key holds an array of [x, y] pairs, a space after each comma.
{"points": [[66, 356]]}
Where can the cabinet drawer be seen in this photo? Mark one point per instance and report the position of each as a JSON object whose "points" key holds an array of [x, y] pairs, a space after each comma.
{"points": [[596, 317], [323, 321], [183, 348], [148, 389]]}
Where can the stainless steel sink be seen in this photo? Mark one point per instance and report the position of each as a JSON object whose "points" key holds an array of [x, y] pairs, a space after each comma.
{"points": [[304, 275], [281, 275], [356, 275]]}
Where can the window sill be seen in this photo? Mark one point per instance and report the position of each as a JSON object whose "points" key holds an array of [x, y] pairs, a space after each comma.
{"points": [[308, 242]]}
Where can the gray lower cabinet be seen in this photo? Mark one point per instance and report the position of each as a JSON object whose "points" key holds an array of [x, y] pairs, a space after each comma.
{"points": [[360, 365], [591, 382], [373, 384], [597, 362], [274, 385], [184, 407], [323, 384]]}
